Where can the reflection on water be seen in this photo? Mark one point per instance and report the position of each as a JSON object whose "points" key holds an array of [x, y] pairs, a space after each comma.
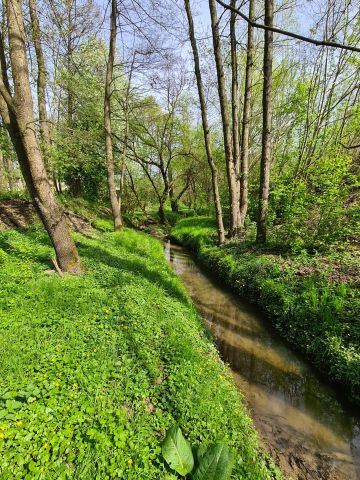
{"points": [[302, 423]]}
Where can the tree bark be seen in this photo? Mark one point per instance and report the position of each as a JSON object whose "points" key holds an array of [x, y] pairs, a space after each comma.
{"points": [[245, 136], [114, 201], [41, 82], [267, 123], [235, 115], [231, 173], [206, 128], [18, 116]]}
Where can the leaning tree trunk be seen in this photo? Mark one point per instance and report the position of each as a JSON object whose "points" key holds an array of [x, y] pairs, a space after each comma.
{"points": [[114, 201], [245, 137], [267, 123], [18, 115], [231, 172]]}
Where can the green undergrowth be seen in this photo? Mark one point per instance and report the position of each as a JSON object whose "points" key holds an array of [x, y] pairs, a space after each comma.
{"points": [[94, 369], [309, 299]]}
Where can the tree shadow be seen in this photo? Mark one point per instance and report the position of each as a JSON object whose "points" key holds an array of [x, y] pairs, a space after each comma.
{"points": [[138, 267]]}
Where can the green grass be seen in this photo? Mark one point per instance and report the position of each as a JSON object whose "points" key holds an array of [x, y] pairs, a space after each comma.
{"points": [[318, 314], [94, 369]]}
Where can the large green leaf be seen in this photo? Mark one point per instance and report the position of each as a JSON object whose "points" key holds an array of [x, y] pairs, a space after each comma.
{"points": [[215, 464], [177, 451]]}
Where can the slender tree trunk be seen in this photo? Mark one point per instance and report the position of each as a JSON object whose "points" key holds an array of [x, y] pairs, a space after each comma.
{"points": [[126, 134], [8, 170], [235, 115], [245, 137], [41, 82], [18, 116], [115, 205], [267, 123], [206, 129], [231, 173]]}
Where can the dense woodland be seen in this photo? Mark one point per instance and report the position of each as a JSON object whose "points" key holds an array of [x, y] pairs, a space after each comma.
{"points": [[238, 122]]}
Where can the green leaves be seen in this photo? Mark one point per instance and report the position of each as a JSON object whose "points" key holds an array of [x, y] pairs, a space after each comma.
{"points": [[215, 464], [177, 451]]}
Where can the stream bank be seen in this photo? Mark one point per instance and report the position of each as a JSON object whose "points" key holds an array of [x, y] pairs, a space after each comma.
{"points": [[311, 304], [310, 433]]}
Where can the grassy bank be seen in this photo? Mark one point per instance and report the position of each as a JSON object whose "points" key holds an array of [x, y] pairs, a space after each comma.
{"points": [[94, 369], [313, 301]]}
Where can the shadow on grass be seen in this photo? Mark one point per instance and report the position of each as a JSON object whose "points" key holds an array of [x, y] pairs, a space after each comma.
{"points": [[135, 266]]}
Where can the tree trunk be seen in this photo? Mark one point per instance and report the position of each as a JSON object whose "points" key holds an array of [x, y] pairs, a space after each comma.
{"points": [[231, 173], [115, 205], [235, 115], [205, 125], [267, 122], [162, 215], [126, 134], [41, 82], [245, 137], [18, 116]]}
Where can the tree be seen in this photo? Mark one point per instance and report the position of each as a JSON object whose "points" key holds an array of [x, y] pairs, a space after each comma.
{"points": [[18, 115], [41, 81], [114, 201], [246, 118], [205, 126], [228, 143], [266, 132]]}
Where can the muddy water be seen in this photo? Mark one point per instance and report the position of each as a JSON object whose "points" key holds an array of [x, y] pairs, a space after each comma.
{"points": [[302, 421]]}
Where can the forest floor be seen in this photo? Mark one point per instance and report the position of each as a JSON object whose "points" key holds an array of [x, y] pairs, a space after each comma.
{"points": [[312, 300], [95, 368]]}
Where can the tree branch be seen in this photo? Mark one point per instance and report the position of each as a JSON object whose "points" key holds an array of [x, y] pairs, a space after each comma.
{"points": [[325, 43]]}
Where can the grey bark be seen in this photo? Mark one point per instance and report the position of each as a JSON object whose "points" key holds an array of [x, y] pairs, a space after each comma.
{"points": [[267, 124], [205, 125], [114, 201], [246, 119], [231, 172]]}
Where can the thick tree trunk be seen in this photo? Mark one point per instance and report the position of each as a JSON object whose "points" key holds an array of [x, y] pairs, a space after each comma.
{"points": [[267, 123], [41, 82], [235, 114], [245, 137], [162, 215], [206, 129], [230, 167], [115, 205], [18, 116]]}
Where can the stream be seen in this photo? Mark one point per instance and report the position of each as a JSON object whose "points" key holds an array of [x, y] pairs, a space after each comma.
{"points": [[302, 421]]}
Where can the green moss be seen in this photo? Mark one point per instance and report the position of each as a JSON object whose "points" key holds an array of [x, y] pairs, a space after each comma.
{"points": [[316, 314], [94, 369]]}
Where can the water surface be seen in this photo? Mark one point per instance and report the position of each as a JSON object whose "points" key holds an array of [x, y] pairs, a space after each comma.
{"points": [[301, 420]]}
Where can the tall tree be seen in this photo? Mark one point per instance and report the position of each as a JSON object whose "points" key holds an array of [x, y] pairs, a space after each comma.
{"points": [[205, 126], [115, 204], [17, 111], [267, 123], [235, 114], [228, 146], [246, 118], [41, 80]]}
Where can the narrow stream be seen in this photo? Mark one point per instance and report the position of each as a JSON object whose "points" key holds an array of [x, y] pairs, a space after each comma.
{"points": [[309, 432]]}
